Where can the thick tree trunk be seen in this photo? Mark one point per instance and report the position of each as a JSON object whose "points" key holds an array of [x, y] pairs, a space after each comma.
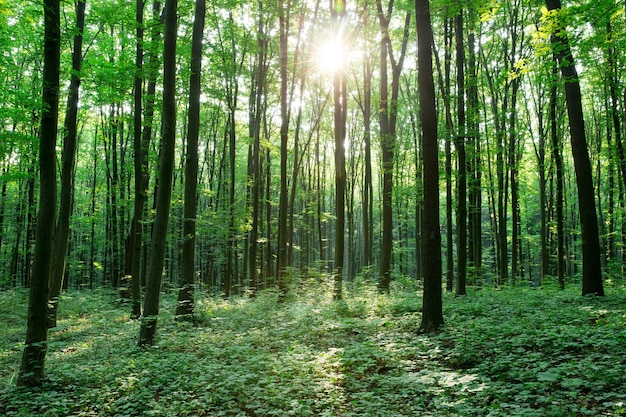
{"points": [[166, 168], [33, 357], [592, 265], [432, 314]]}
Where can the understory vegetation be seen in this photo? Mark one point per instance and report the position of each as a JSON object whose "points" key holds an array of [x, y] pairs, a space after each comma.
{"points": [[511, 352]]}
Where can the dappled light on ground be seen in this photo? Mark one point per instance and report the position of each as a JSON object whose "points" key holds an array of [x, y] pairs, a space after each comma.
{"points": [[515, 352]]}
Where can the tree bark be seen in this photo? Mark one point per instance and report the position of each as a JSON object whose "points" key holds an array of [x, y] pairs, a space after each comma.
{"points": [[68, 163], [432, 313], [592, 265], [338, 13], [284, 136], [461, 219], [166, 168], [33, 357], [185, 305]]}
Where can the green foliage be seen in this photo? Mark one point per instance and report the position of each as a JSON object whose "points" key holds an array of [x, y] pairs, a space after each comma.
{"points": [[503, 353]]}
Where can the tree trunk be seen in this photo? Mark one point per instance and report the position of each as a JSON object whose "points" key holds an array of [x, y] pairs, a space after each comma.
{"points": [[461, 220], [387, 119], [33, 357], [338, 13], [592, 266], [284, 136], [432, 313], [185, 307], [166, 168], [68, 163], [474, 174]]}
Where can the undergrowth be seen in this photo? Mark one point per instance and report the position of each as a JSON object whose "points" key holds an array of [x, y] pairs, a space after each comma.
{"points": [[515, 352]]}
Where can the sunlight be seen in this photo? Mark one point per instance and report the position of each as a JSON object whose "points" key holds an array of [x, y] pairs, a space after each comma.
{"points": [[330, 56]]}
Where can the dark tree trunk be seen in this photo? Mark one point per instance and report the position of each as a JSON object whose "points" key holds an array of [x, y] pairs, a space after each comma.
{"points": [[432, 314], [185, 307], [559, 202], [338, 13], [34, 354], [164, 191], [461, 220], [473, 145], [68, 163], [255, 164], [283, 204], [368, 193], [592, 265], [387, 119]]}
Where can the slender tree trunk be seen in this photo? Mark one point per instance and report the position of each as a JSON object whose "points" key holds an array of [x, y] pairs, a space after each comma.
{"points": [[432, 314], [33, 357], [592, 265], [368, 194], [185, 306], [560, 182], [283, 205], [338, 13], [388, 111], [513, 171], [461, 221], [255, 169], [133, 259], [474, 174], [166, 168], [543, 203], [68, 163]]}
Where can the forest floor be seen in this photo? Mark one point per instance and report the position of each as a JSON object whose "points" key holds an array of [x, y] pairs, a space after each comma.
{"points": [[513, 352]]}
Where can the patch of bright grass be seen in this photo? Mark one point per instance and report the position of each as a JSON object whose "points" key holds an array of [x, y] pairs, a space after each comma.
{"points": [[515, 352]]}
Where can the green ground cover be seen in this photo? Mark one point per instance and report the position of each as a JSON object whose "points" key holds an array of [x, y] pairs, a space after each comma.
{"points": [[515, 352]]}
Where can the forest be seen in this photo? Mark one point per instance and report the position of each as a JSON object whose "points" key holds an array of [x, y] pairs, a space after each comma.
{"points": [[312, 208]]}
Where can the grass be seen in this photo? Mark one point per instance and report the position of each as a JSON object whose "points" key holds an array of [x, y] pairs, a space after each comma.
{"points": [[515, 352]]}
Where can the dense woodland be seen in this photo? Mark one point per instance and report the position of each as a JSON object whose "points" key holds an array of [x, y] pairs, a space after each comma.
{"points": [[235, 147]]}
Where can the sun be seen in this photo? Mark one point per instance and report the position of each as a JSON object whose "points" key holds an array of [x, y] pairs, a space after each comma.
{"points": [[330, 56]]}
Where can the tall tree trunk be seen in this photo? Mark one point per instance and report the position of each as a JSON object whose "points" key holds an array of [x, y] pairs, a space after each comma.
{"points": [[560, 181], [135, 239], [368, 193], [432, 314], [284, 136], [387, 119], [68, 163], [185, 306], [255, 132], [461, 220], [34, 354], [513, 170], [592, 265], [338, 13], [166, 168]]}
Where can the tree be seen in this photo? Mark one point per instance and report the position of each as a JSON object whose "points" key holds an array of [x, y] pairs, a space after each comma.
{"points": [[592, 266], [188, 273], [388, 116], [338, 13], [283, 206], [166, 168], [68, 162], [461, 221], [432, 313], [33, 357]]}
